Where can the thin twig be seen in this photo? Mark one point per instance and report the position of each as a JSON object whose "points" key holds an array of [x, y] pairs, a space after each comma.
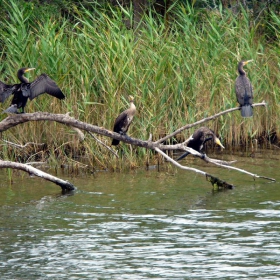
{"points": [[103, 144], [244, 171], [178, 164], [36, 163], [214, 161], [23, 146]]}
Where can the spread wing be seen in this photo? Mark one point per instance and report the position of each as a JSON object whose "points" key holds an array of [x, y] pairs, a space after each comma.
{"points": [[6, 91], [44, 84]]}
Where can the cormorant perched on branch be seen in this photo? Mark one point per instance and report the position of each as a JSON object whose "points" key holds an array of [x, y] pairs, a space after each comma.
{"points": [[124, 120], [26, 90], [197, 140], [244, 91]]}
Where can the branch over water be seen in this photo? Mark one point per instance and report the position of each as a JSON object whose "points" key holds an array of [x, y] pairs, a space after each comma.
{"points": [[65, 119], [65, 185]]}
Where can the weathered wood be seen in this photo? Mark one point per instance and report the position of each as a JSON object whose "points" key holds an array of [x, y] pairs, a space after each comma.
{"points": [[188, 126], [65, 185], [65, 119], [14, 120]]}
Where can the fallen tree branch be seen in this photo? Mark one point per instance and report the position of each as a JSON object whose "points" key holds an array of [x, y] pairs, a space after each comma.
{"points": [[65, 119], [216, 182], [176, 163], [225, 164], [204, 157], [188, 126], [244, 171], [65, 185]]}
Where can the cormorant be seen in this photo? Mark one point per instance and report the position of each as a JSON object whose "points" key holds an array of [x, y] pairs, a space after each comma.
{"points": [[124, 120], [244, 91], [26, 90], [197, 140]]}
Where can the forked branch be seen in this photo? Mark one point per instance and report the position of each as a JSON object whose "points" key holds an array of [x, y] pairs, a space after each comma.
{"points": [[188, 126], [65, 119]]}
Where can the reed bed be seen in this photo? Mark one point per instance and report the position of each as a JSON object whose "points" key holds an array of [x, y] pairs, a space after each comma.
{"points": [[178, 72]]}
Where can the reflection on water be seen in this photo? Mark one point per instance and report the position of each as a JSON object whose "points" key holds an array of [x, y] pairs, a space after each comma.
{"points": [[143, 225]]}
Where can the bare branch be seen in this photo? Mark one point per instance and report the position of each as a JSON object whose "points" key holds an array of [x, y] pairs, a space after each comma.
{"points": [[203, 121], [103, 144], [14, 120], [23, 146], [244, 171], [182, 147], [221, 163], [178, 164], [36, 163], [65, 185], [216, 182]]}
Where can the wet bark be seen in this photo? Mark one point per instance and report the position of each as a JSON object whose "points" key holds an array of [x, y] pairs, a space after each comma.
{"points": [[65, 185]]}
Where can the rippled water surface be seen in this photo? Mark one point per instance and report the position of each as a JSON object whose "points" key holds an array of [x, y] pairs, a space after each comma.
{"points": [[143, 225]]}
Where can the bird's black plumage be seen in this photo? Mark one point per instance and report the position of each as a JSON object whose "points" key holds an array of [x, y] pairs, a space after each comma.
{"points": [[124, 120], [25, 90], [199, 138], [244, 91]]}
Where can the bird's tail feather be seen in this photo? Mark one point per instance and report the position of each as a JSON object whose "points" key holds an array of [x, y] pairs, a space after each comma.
{"points": [[246, 111], [115, 142], [182, 156]]}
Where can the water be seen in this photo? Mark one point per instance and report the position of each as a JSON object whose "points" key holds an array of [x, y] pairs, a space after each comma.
{"points": [[143, 225]]}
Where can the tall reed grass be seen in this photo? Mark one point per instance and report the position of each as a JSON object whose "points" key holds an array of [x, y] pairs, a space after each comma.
{"points": [[178, 73]]}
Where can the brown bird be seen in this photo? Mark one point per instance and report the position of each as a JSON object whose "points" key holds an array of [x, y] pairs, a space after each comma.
{"points": [[124, 120], [244, 91], [197, 140], [25, 90]]}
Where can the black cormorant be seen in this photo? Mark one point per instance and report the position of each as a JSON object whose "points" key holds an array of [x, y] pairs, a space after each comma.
{"points": [[244, 91], [124, 120], [25, 90], [197, 140]]}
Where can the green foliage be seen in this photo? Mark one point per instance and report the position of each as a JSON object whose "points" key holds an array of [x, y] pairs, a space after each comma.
{"points": [[179, 72]]}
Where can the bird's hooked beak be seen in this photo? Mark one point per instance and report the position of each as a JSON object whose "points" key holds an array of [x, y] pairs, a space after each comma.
{"points": [[247, 61], [28, 69], [218, 142], [130, 98]]}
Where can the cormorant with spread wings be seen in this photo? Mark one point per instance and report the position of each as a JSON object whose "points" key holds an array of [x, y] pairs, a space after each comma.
{"points": [[25, 90]]}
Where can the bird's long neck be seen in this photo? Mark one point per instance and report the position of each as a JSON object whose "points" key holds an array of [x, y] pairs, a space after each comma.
{"points": [[22, 78], [132, 108], [241, 71]]}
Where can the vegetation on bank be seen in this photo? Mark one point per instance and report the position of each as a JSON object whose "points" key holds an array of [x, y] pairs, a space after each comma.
{"points": [[179, 71]]}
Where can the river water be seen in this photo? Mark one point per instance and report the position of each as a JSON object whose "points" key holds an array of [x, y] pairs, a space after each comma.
{"points": [[165, 224]]}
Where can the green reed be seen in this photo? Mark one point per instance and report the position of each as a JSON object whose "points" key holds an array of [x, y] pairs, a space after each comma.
{"points": [[178, 72]]}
